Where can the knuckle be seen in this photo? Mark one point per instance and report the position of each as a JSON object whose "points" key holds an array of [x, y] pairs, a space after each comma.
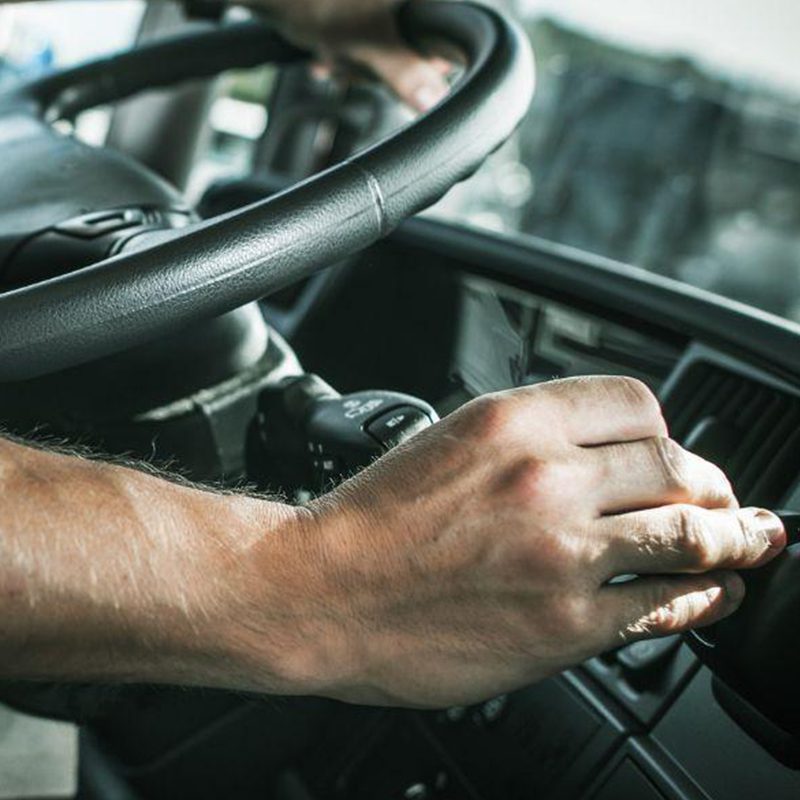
{"points": [[638, 399], [667, 617], [671, 461], [545, 482], [561, 557], [564, 395], [529, 479], [721, 485], [689, 608], [668, 614], [692, 538], [407, 85], [750, 539], [489, 417], [639, 395], [641, 628], [562, 386]]}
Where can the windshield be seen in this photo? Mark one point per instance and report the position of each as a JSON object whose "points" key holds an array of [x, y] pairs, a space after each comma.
{"points": [[664, 134]]}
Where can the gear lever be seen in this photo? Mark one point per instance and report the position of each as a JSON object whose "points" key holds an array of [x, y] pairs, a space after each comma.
{"points": [[755, 653]]}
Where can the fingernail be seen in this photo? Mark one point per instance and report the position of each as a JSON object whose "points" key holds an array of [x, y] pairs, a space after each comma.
{"points": [[772, 527], [426, 97], [734, 588]]}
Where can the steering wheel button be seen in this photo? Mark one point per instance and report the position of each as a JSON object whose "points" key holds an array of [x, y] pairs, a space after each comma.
{"points": [[101, 223], [392, 427]]}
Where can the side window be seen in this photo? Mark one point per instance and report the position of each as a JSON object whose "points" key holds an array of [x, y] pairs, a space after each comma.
{"points": [[36, 38]]}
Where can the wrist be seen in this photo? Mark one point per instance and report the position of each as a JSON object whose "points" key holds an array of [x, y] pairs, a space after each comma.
{"points": [[275, 621]]}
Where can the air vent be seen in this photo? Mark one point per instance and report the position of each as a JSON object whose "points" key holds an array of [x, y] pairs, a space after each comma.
{"points": [[751, 430]]}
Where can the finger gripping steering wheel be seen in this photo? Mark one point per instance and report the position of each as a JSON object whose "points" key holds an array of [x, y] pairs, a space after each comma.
{"points": [[208, 268]]}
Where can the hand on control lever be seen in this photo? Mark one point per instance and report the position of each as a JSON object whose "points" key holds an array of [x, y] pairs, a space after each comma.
{"points": [[476, 557], [472, 559]]}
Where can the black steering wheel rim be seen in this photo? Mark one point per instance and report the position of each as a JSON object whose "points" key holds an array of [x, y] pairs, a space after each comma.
{"points": [[218, 265]]}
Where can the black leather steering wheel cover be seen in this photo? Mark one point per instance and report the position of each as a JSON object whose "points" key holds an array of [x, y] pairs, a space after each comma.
{"points": [[228, 261], [196, 55]]}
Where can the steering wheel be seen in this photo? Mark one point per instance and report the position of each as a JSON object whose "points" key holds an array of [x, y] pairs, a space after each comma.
{"points": [[171, 269]]}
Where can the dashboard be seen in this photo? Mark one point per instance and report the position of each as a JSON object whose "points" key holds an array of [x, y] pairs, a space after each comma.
{"points": [[648, 720], [446, 314], [644, 721]]}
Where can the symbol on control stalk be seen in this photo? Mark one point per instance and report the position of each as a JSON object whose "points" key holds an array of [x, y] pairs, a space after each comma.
{"points": [[306, 436], [362, 409]]}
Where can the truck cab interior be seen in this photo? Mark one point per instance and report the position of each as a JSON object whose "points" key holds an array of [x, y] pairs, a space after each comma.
{"points": [[213, 259]]}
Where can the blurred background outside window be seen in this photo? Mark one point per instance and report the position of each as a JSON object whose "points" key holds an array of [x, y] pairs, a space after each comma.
{"points": [[664, 134], [36, 38]]}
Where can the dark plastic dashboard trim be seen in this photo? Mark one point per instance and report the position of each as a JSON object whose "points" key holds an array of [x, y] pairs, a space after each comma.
{"points": [[674, 308], [698, 352]]}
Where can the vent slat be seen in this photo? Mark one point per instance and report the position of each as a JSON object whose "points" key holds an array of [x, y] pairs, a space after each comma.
{"points": [[752, 438], [771, 486], [772, 444], [723, 406], [763, 425], [697, 397], [751, 408]]}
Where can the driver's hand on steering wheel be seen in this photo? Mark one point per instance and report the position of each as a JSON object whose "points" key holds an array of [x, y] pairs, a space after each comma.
{"points": [[477, 557], [348, 34]]}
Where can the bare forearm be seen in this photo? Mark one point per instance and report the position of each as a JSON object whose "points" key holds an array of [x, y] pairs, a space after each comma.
{"points": [[470, 561], [107, 573]]}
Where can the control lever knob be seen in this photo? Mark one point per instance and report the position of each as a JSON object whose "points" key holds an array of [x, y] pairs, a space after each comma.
{"points": [[308, 435], [756, 651]]}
